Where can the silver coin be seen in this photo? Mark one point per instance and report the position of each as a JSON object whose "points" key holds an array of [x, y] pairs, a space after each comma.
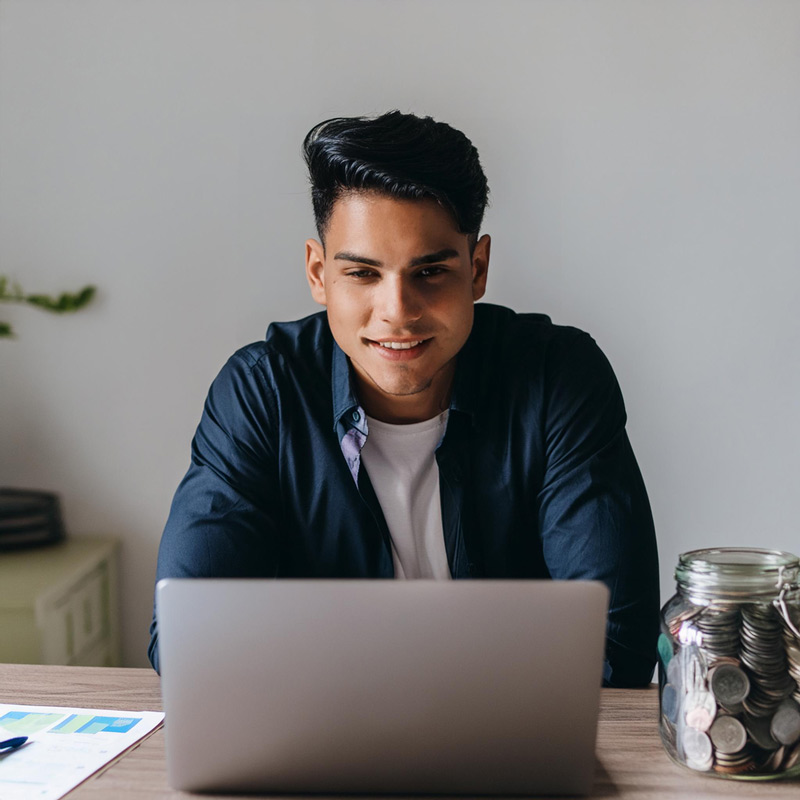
{"points": [[733, 709], [676, 620], [697, 748], [693, 669], [743, 761], [674, 673], [764, 699], [775, 760], [793, 759], [758, 731], [728, 735], [785, 725], [728, 660], [668, 731], [729, 684]]}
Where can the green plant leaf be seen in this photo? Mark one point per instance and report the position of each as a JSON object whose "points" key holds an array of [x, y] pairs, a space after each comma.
{"points": [[11, 292], [85, 296], [64, 302]]}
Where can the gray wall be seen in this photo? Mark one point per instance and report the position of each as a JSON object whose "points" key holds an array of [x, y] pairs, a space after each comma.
{"points": [[645, 170]]}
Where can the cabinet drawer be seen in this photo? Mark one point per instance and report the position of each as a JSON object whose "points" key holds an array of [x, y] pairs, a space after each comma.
{"points": [[89, 609], [77, 619]]}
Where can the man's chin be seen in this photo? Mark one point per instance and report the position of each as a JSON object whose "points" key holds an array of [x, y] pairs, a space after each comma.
{"points": [[391, 389]]}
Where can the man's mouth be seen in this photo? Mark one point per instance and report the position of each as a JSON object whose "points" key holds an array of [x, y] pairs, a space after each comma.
{"points": [[401, 345], [400, 349]]}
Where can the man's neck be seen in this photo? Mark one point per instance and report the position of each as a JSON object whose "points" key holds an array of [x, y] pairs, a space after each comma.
{"points": [[407, 409]]}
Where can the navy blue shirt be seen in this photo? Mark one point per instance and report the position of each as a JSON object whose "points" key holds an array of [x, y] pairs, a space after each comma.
{"points": [[537, 477]]}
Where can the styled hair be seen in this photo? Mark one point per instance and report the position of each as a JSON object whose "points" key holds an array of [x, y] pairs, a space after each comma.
{"points": [[397, 155]]}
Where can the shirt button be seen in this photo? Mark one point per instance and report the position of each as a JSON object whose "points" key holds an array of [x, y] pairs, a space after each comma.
{"points": [[356, 416]]}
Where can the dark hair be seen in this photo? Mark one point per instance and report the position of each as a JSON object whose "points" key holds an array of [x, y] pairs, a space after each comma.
{"points": [[399, 155]]}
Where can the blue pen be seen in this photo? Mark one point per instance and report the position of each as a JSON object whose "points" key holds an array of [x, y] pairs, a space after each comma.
{"points": [[13, 744]]}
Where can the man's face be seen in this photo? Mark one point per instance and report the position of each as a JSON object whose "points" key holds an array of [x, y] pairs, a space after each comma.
{"points": [[399, 283]]}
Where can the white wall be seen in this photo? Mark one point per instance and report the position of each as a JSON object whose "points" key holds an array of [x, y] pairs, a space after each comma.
{"points": [[645, 174]]}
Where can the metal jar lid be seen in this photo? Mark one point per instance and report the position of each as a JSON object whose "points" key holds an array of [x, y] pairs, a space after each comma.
{"points": [[737, 573]]}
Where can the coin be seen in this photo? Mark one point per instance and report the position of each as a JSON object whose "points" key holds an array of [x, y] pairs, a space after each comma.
{"points": [[764, 659], [729, 684], [674, 675], [728, 735], [674, 622], [669, 736], [718, 632], [692, 672], [774, 761], [733, 709], [742, 761], [730, 697], [665, 649], [785, 725], [793, 759], [758, 731], [700, 709], [670, 702], [792, 648], [697, 748]]}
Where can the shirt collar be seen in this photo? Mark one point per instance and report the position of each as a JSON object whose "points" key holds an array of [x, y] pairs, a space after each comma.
{"points": [[465, 387], [347, 410]]}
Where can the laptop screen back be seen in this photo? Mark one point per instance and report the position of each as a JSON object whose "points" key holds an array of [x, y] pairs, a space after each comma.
{"points": [[464, 687]]}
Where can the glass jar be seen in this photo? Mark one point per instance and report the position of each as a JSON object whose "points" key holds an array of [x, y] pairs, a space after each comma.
{"points": [[729, 664]]}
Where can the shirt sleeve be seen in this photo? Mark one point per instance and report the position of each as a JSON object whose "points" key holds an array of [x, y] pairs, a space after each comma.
{"points": [[224, 517], [594, 515]]}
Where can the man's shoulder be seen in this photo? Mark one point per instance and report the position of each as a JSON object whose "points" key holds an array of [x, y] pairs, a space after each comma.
{"points": [[526, 356], [302, 341], [499, 326], [530, 348]]}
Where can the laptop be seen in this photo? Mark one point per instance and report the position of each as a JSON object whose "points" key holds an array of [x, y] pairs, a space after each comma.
{"points": [[380, 686]]}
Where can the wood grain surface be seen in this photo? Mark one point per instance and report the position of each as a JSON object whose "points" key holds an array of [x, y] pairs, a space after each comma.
{"points": [[631, 763]]}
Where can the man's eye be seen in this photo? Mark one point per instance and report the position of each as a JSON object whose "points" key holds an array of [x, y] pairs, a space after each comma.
{"points": [[360, 273], [431, 272]]}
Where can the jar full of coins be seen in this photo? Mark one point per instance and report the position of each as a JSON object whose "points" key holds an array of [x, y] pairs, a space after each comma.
{"points": [[729, 664]]}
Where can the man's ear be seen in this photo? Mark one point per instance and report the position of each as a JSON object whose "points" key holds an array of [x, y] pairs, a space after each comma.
{"points": [[315, 270], [480, 266]]}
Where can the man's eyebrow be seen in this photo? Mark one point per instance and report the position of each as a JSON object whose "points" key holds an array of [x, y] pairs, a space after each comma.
{"points": [[345, 256], [433, 258], [430, 258]]}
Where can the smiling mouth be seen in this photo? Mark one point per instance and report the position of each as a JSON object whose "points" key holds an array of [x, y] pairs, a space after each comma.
{"points": [[401, 345], [399, 349]]}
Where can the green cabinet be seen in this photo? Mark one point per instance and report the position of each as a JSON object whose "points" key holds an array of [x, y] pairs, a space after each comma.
{"points": [[59, 604]]}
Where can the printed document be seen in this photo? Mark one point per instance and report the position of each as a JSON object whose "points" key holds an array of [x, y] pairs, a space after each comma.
{"points": [[65, 746]]}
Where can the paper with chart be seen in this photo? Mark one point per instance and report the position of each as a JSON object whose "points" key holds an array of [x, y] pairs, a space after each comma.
{"points": [[65, 746]]}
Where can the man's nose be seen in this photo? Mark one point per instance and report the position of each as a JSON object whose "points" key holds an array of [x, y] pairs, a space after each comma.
{"points": [[400, 302]]}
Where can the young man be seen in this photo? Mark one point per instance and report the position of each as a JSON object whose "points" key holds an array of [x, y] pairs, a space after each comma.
{"points": [[406, 432]]}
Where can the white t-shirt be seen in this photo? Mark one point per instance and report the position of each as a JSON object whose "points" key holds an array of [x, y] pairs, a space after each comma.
{"points": [[400, 462]]}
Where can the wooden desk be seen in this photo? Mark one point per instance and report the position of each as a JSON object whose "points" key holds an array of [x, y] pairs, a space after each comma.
{"points": [[631, 761]]}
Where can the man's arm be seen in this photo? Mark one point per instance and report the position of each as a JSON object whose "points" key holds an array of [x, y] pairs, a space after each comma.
{"points": [[594, 513], [224, 516]]}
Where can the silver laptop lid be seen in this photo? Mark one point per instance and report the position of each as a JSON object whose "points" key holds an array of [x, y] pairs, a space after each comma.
{"points": [[465, 687]]}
